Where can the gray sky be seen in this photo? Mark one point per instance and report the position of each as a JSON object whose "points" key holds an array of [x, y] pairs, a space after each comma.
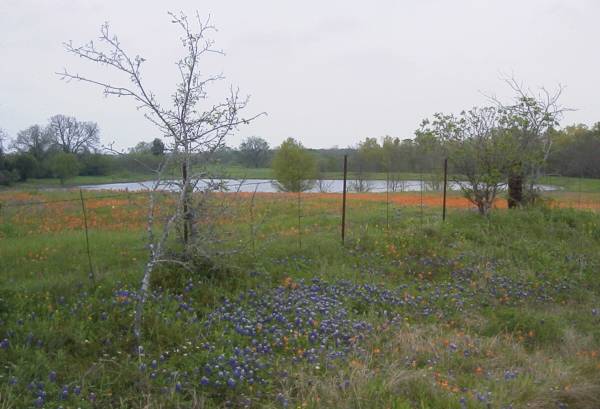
{"points": [[327, 72]]}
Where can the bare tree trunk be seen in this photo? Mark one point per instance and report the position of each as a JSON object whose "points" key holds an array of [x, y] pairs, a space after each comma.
{"points": [[515, 190], [184, 178]]}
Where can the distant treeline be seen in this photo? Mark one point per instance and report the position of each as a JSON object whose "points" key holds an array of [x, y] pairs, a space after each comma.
{"points": [[66, 147], [575, 152]]}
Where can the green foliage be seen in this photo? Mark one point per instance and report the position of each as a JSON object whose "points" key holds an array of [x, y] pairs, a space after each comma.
{"points": [[479, 150], [535, 328], [294, 167], [254, 152], [94, 164], [8, 177], [575, 151], [64, 166], [158, 147], [26, 165], [368, 156]]}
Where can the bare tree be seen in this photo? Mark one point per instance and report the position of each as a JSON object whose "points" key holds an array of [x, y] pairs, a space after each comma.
{"points": [[190, 129], [34, 140], [73, 136], [3, 137], [530, 117], [479, 150]]}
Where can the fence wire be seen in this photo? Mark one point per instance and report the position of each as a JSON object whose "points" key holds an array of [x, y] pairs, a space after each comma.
{"points": [[258, 219]]}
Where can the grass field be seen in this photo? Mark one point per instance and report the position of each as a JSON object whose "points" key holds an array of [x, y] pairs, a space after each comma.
{"points": [[411, 312]]}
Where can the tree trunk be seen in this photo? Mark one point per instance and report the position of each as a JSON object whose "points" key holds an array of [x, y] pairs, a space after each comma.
{"points": [[515, 190], [186, 211]]}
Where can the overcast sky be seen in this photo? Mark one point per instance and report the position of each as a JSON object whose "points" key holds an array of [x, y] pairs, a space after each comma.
{"points": [[326, 72]]}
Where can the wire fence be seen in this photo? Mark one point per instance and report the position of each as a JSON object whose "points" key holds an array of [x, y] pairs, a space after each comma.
{"points": [[255, 217]]}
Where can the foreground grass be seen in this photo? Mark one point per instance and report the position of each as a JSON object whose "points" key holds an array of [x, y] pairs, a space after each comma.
{"points": [[470, 313]]}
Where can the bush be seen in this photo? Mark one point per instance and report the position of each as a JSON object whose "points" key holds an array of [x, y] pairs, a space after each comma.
{"points": [[26, 166], [94, 164], [64, 166], [8, 177]]}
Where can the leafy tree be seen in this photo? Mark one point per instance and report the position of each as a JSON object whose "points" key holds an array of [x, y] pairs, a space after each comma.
{"points": [[367, 157], [26, 165], [254, 151], [575, 151], [7, 174], [94, 164], [294, 167], [158, 147], [479, 151], [531, 118], [141, 147], [64, 166], [390, 152]]}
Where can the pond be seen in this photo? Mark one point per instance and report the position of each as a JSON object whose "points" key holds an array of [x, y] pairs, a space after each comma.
{"points": [[320, 186]]}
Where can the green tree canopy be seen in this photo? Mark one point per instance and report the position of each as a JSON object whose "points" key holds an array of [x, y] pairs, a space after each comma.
{"points": [[254, 151], [294, 167], [158, 147], [26, 165], [64, 166], [480, 151]]}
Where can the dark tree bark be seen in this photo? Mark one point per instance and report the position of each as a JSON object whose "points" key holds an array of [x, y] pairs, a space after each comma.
{"points": [[515, 190]]}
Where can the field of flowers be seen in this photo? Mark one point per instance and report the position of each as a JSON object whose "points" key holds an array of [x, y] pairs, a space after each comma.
{"points": [[502, 312]]}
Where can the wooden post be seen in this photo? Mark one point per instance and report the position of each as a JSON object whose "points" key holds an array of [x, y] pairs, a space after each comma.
{"points": [[299, 221], [344, 199], [387, 201], [421, 198], [445, 187], [87, 239]]}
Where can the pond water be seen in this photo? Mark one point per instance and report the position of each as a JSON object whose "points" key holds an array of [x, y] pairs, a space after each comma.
{"points": [[269, 186]]}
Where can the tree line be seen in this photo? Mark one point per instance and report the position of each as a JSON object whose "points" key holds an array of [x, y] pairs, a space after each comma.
{"points": [[61, 148], [67, 147], [574, 152]]}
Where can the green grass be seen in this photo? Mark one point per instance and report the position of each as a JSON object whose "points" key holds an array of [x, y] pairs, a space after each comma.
{"points": [[496, 311], [80, 180]]}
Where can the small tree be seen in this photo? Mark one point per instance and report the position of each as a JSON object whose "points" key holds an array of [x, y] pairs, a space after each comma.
{"points": [[193, 130], [254, 151], [26, 165], [366, 159], [158, 147], [479, 150], [294, 167], [531, 118], [64, 166], [7, 174]]}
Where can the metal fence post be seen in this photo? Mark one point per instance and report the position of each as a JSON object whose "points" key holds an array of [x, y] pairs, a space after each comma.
{"points": [[445, 187], [344, 199], [87, 239]]}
